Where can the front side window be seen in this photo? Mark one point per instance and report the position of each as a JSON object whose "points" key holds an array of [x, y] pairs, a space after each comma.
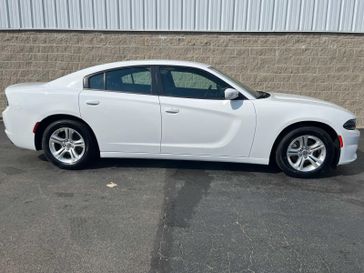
{"points": [[251, 91], [130, 79], [191, 82]]}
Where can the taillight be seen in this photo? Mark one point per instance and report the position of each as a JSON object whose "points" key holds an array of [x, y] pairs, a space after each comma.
{"points": [[36, 126], [341, 142]]}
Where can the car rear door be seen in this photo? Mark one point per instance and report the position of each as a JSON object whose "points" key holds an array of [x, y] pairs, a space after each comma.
{"points": [[122, 110], [197, 121]]}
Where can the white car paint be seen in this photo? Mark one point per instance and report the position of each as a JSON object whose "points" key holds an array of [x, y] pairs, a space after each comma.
{"points": [[207, 127], [108, 120], [279, 111], [150, 126]]}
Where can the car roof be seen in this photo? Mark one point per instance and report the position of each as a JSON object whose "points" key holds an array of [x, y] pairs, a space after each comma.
{"points": [[101, 67], [74, 79], [161, 62]]}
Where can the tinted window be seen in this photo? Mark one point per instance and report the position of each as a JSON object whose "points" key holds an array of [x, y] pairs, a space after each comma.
{"points": [[96, 81], [251, 91], [191, 83], [131, 79]]}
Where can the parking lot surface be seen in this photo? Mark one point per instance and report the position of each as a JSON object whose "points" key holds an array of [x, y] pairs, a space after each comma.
{"points": [[176, 216]]}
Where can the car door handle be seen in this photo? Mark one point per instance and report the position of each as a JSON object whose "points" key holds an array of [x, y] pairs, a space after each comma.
{"points": [[92, 102], [172, 110]]}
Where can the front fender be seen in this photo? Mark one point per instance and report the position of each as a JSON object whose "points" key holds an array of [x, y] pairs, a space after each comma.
{"points": [[273, 117]]}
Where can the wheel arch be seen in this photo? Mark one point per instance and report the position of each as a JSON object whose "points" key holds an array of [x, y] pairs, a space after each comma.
{"points": [[48, 120], [331, 131]]}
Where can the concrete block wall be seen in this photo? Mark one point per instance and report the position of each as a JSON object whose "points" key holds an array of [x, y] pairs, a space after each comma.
{"points": [[326, 66]]}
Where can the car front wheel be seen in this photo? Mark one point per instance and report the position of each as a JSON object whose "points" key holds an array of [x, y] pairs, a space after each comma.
{"points": [[305, 152], [68, 144]]}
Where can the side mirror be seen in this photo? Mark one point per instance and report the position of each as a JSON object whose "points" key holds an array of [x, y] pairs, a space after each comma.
{"points": [[231, 93]]}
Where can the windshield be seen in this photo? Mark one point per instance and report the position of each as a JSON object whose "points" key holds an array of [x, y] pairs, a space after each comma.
{"points": [[251, 91]]}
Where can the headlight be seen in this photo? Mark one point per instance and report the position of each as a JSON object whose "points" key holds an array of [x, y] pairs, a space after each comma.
{"points": [[350, 124]]}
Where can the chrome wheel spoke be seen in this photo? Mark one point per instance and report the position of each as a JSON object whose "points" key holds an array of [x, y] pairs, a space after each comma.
{"points": [[57, 139], [79, 143], [293, 152], [305, 141], [301, 142], [71, 133], [60, 153], [315, 161], [67, 133], [73, 154], [317, 146], [299, 163]]}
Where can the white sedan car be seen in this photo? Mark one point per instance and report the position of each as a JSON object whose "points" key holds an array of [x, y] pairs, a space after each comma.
{"points": [[176, 110]]}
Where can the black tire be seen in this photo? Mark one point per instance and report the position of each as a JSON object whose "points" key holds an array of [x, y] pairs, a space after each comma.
{"points": [[282, 160], [89, 150]]}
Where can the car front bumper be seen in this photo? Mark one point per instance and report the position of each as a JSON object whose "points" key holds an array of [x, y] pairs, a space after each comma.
{"points": [[350, 146]]}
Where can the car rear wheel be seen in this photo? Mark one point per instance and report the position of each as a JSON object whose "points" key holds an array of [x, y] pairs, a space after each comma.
{"points": [[68, 144], [305, 152]]}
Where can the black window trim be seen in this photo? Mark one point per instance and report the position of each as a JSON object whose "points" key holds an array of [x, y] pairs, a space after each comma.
{"points": [[150, 67], [163, 93]]}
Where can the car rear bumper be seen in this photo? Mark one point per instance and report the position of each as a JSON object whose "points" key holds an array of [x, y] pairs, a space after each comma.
{"points": [[350, 146], [18, 129]]}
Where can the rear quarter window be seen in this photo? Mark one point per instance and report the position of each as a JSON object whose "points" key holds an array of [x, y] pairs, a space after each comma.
{"points": [[96, 81]]}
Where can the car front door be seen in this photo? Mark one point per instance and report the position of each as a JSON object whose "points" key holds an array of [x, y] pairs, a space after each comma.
{"points": [[122, 110], [197, 121]]}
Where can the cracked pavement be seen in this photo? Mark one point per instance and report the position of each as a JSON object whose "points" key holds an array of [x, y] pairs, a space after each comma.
{"points": [[176, 216]]}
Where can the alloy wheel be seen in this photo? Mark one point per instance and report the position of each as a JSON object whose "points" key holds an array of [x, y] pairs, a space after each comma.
{"points": [[306, 153], [67, 145]]}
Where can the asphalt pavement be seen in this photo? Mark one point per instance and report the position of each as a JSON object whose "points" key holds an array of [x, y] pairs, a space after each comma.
{"points": [[176, 216]]}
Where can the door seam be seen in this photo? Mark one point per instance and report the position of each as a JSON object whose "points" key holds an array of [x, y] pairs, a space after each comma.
{"points": [[161, 128]]}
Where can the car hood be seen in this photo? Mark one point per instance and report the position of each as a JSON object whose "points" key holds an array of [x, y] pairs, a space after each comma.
{"points": [[290, 98]]}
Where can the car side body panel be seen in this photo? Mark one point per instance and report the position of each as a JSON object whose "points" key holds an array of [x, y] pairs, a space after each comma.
{"points": [[31, 103], [279, 111]]}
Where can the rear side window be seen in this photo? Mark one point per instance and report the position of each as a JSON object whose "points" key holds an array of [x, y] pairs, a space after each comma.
{"points": [[128, 79], [131, 79]]}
